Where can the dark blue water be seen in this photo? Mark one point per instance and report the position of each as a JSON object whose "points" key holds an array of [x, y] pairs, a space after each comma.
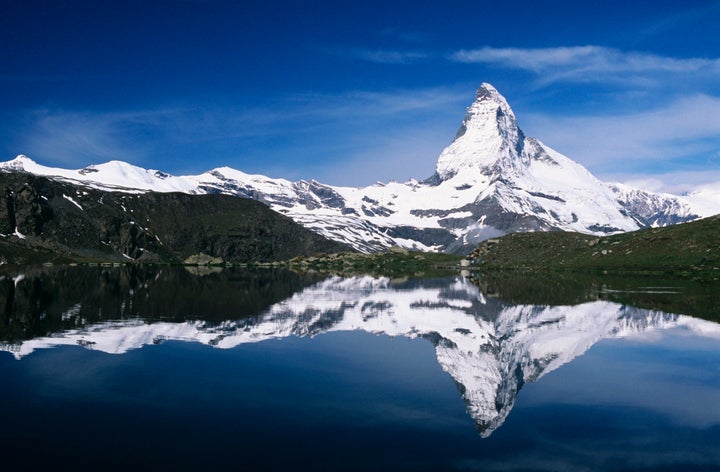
{"points": [[329, 398]]}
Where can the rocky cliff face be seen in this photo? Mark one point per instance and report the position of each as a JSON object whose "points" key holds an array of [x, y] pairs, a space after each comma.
{"points": [[655, 209], [491, 180], [62, 218]]}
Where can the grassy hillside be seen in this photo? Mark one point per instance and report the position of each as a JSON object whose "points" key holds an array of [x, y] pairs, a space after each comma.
{"points": [[689, 247]]}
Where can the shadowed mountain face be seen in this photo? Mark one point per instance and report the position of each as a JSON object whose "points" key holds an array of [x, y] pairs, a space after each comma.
{"points": [[489, 181], [45, 219], [489, 347]]}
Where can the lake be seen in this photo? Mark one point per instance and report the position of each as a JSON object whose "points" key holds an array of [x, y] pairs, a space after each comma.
{"points": [[165, 368]]}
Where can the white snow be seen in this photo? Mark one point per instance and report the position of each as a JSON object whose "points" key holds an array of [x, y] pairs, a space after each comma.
{"points": [[70, 199], [487, 133], [705, 200], [489, 161]]}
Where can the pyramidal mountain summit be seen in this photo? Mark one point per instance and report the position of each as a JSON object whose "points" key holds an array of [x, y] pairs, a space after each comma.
{"points": [[491, 180]]}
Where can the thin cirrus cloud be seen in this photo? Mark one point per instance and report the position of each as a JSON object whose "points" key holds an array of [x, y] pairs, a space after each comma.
{"points": [[73, 138], [292, 134], [682, 135], [383, 56], [585, 63], [78, 138], [635, 138]]}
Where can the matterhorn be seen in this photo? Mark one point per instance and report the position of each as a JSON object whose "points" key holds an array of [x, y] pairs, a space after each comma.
{"points": [[491, 180]]}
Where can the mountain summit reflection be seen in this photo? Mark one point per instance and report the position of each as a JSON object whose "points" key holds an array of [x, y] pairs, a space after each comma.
{"points": [[489, 347]]}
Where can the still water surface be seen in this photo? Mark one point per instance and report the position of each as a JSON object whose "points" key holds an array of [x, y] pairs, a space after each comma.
{"points": [[159, 368]]}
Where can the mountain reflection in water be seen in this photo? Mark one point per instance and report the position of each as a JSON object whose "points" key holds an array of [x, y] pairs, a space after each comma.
{"points": [[490, 347]]}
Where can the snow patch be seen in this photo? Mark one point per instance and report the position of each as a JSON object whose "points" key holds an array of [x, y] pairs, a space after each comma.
{"points": [[70, 199], [490, 171]]}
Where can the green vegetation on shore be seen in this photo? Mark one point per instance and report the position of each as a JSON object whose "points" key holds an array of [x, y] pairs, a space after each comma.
{"points": [[683, 249], [670, 294], [395, 263]]}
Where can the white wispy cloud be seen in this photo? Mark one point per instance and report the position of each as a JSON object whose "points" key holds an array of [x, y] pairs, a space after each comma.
{"points": [[678, 22], [381, 56], [658, 125], [586, 63], [683, 135], [377, 136], [678, 182], [408, 152], [311, 135], [362, 104], [74, 138], [387, 56]]}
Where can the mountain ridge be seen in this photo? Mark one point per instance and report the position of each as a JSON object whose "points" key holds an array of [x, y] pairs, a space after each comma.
{"points": [[42, 219], [489, 181]]}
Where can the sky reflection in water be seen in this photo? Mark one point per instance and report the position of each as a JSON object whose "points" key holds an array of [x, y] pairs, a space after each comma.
{"points": [[353, 374]]}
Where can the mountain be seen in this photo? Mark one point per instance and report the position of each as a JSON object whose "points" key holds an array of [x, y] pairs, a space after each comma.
{"points": [[656, 209], [491, 180], [490, 348], [44, 219]]}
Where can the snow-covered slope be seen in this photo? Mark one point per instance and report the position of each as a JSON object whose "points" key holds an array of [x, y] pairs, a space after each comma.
{"points": [[489, 181], [113, 175], [658, 209], [489, 348], [704, 200]]}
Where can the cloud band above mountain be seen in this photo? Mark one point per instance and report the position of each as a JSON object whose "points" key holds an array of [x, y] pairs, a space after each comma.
{"points": [[583, 63]]}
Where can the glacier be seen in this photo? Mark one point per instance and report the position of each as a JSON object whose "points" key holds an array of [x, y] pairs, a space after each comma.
{"points": [[491, 180]]}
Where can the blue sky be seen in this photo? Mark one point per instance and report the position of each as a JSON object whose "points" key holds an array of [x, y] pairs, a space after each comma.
{"points": [[353, 93]]}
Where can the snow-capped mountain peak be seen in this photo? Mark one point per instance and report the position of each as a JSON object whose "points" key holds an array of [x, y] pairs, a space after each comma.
{"points": [[491, 180], [20, 162], [489, 134], [111, 175]]}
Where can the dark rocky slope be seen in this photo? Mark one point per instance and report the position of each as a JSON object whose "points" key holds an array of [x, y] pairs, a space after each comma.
{"points": [[43, 219]]}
